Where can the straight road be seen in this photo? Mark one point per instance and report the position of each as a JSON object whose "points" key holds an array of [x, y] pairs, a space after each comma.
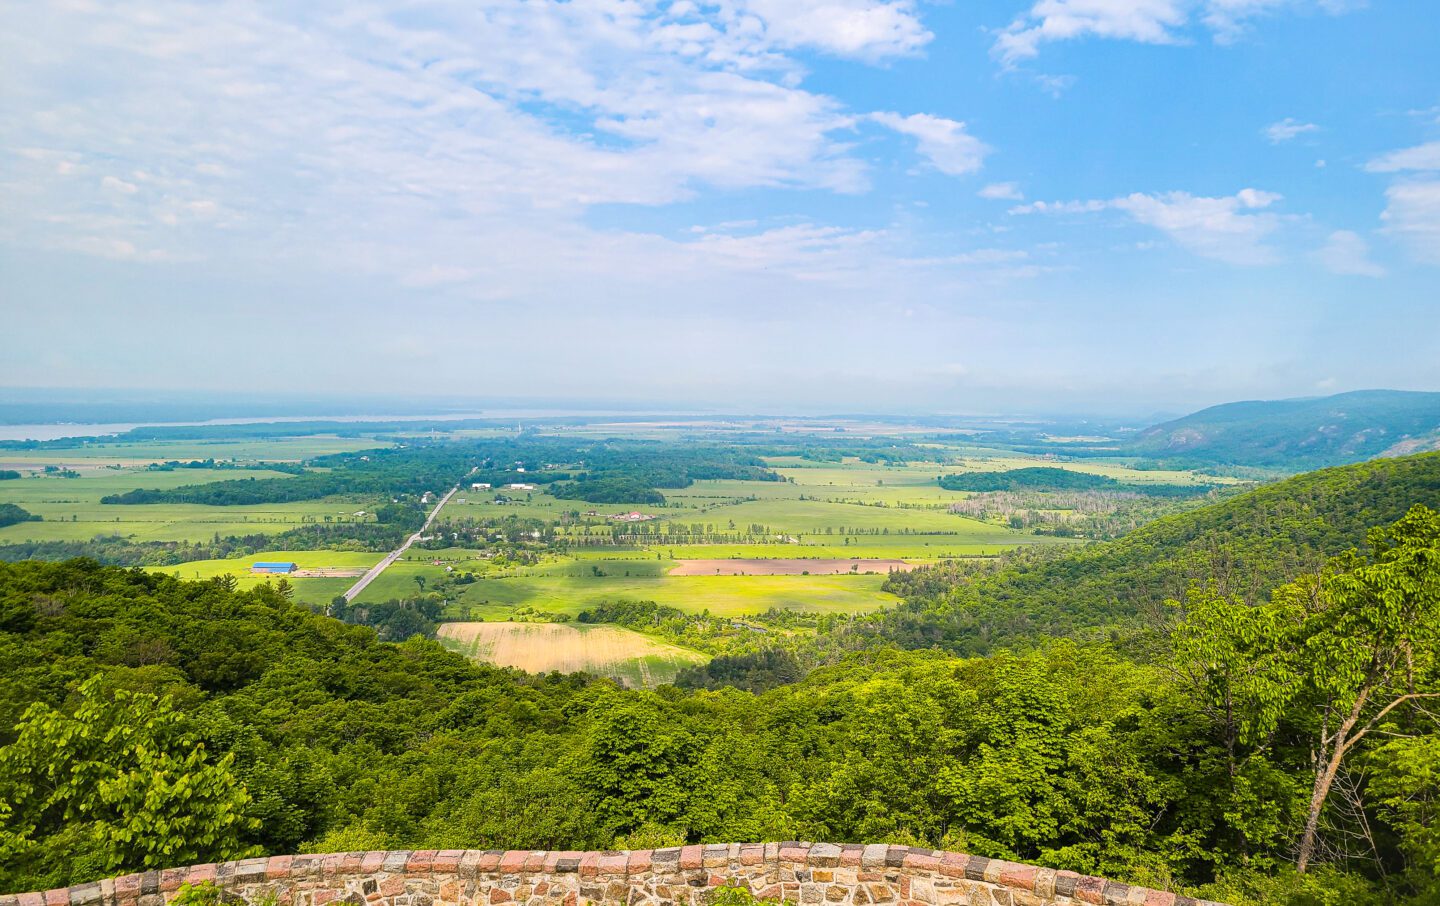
{"points": [[394, 555]]}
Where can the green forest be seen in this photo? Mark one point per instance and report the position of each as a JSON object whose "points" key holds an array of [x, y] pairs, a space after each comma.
{"points": [[1237, 701]]}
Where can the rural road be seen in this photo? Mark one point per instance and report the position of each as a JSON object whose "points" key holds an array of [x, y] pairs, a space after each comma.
{"points": [[394, 555]]}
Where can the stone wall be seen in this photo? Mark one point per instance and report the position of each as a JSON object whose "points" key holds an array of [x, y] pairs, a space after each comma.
{"points": [[807, 874]]}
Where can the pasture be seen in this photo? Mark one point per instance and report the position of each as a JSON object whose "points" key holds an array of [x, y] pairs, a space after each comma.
{"points": [[623, 655]]}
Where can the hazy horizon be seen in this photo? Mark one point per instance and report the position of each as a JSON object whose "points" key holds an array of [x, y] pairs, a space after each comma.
{"points": [[1106, 207]]}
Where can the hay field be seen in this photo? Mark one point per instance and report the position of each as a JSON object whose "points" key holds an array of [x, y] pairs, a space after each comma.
{"points": [[632, 658], [793, 567]]}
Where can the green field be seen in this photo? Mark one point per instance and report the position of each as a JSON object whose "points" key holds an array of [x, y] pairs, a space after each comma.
{"points": [[72, 511], [843, 509]]}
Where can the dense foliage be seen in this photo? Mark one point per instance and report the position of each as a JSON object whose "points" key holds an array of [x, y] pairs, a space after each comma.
{"points": [[1206, 746], [10, 514], [1247, 544], [1048, 478], [299, 732]]}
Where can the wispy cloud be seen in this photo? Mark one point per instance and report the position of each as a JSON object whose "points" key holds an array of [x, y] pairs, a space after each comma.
{"points": [[1412, 209], [1346, 253], [1231, 228], [1287, 130], [1420, 157], [1144, 21], [943, 142], [429, 144], [1003, 191]]}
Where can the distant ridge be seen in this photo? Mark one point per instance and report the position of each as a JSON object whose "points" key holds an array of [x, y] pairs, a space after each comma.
{"points": [[1299, 434]]}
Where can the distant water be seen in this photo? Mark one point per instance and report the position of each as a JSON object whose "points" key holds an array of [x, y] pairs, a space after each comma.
{"points": [[56, 431]]}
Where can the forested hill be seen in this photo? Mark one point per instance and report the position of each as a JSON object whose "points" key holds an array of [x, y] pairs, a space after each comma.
{"points": [[1299, 433], [1249, 544]]}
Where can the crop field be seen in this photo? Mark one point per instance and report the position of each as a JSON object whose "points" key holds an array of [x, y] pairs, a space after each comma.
{"points": [[108, 453], [71, 509], [632, 658], [563, 589], [792, 567]]}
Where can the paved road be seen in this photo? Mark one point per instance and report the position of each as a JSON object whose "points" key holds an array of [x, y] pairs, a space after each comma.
{"points": [[394, 555]]}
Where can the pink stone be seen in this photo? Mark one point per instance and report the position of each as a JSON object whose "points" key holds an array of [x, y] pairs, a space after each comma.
{"points": [[639, 861], [1159, 898], [692, 856], [589, 865], [60, 896], [612, 863], [752, 854], [372, 861], [1018, 876], [197, 874], [490, 861], [278, 867], [921, 861], [420, 860], [1090, 890], [448, 860], [796, 853], [535, 861], [513, 861]]}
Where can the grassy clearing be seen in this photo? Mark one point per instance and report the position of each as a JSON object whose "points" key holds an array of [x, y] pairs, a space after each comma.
{"points": [[557, 590], [72, 511], [110, 453], [632, 658]]}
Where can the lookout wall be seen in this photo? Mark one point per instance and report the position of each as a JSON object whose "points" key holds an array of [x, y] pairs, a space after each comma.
{"points": [[806, 874]]}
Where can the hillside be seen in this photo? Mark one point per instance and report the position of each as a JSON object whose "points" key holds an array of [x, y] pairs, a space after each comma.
{"points": [[1249, 544], [1299, 433]]}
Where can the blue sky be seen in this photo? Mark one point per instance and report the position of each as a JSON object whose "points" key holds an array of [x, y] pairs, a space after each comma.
{"points": [[1097, 205]]}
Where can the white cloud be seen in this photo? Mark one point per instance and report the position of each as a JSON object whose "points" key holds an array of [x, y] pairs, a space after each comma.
{"points": [[1145, 21], [1003, 191], [430, 144], [944, 142], [1420, 157], [114, 184], [1412, 213], [1287, 129], [1231, 228], [1345, 252], [863, 29]]}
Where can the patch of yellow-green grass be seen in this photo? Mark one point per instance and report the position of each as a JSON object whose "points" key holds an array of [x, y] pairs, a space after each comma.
{"points": [[720, 595], [110, 452], [632, 658], [71, 510], [317, 591]]}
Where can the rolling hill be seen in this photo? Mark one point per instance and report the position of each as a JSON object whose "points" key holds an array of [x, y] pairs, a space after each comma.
{"points": [[1249, 544], [1298, 434]]}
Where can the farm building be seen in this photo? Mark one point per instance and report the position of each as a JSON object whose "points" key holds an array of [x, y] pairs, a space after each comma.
{"points": [[274, 568], [480, 486]]}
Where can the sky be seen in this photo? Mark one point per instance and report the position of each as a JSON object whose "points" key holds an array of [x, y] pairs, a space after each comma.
{"points": [[1107, 206]]}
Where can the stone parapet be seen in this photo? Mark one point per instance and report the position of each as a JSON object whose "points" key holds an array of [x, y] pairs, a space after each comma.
{"points": [[804, 874]]}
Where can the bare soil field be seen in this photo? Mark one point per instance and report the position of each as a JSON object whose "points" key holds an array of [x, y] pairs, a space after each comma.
{"points": [[758, 567], [636, 659]]}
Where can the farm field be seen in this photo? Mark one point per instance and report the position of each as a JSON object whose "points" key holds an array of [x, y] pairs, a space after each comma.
{"points": [[71, 509], [792, 567], [552, 591], [632, 658], [103, 453]]}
